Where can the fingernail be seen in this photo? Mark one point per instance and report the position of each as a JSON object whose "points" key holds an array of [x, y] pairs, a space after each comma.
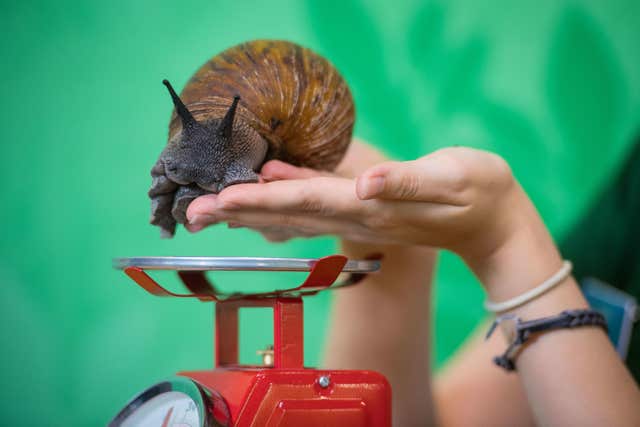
{"points": [[202, 220], [193, 228], [372, 187], [234, 225]]}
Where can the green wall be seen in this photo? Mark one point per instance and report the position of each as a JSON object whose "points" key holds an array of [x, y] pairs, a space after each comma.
{"points": [[554, 86]]}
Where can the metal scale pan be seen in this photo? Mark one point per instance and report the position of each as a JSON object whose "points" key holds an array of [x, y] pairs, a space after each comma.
{"points": [[323, 273], [237, 264]]}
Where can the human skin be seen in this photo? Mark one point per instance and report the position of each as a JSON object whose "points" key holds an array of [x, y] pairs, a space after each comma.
{"points": [[466, 201]]}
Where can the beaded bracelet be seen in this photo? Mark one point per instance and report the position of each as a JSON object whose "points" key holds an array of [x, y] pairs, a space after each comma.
{"points": [[518, 332]]}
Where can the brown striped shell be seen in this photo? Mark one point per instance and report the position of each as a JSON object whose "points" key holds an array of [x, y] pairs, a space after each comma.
{"points": [[295, 99]]}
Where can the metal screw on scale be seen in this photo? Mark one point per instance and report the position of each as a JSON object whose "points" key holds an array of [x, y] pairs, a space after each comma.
{"points": [[267, 356], [324, 381]]}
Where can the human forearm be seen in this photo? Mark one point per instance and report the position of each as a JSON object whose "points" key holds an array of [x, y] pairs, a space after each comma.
{"points": [[570, 377], [383, 324], [491, 396]]}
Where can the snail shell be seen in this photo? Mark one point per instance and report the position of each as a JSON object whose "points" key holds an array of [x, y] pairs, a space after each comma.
{"points": [[256, 101]]}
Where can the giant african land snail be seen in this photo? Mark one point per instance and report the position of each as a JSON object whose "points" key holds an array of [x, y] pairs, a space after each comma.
{"points": [[254, 102]]}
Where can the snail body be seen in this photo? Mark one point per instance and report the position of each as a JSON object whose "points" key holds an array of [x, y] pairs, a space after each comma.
{"points": [[254, 102]]}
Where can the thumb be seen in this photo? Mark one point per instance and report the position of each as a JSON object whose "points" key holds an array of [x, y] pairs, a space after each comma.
{"points": [[404, 181]]}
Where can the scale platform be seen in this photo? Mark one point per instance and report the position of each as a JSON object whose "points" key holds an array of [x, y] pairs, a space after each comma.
{"points": [[323, 273]]}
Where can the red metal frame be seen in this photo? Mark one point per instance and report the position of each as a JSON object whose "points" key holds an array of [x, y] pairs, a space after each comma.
{"points": [[287, 327], [286, 394]]}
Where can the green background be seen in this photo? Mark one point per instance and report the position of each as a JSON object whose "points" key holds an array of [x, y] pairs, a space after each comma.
{"points": [[553, 86]]}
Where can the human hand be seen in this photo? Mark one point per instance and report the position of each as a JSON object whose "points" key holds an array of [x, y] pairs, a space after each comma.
{"points": [[357, 159], [462, 199]]}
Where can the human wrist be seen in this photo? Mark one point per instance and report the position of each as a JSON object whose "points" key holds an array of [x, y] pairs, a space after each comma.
{"points": [[524, 257]]}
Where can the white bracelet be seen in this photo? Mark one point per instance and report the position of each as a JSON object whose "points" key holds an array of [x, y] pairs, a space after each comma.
{"points": [[545, 286]]}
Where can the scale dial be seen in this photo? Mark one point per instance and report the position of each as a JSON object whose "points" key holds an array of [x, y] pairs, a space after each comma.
{"points": [[179, 402]]}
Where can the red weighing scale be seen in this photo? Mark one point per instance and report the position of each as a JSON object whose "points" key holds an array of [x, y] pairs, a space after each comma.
{"points": [[281, 392]]}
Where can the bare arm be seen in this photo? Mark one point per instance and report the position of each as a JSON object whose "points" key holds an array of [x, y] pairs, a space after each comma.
{"points": [[570, 377], [381, 326], [565, 377], [471, 391]]}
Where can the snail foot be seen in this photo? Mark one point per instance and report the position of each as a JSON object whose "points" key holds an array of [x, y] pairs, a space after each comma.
{"points": [[161, 206]]}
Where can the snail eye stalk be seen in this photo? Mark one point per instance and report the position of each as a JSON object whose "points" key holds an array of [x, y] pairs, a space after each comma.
{"points": [[188, 122], [226, 125]]}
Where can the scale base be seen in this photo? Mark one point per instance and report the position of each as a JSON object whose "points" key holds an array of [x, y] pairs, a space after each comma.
{"points": [[300, 397]]}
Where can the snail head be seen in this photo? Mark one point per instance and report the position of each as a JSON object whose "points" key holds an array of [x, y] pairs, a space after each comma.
{"points": [[212, 154]]}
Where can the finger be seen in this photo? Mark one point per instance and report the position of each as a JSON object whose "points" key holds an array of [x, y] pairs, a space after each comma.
{"points": [[275, 170], [294, 225], [193, 228], [383, 222], [204, 207], [279, 234], [278, 237], [183, 197], [206, 210], [252, 195], [433, 180], [272, 234], [325, 196]]}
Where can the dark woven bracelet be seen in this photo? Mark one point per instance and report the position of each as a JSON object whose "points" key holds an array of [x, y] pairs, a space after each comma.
{"points": [[524, 330]]}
